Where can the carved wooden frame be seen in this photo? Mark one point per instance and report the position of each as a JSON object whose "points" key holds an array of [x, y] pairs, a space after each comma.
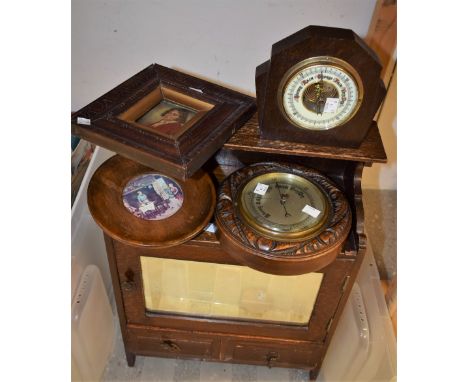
{"points": [[110, 121], [272, 256]]}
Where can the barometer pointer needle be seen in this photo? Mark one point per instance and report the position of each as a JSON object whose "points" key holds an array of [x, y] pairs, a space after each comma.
{"points": [[321, 102], [282, 202]]}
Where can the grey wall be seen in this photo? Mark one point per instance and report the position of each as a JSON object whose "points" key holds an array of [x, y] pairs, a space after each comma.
{"points": [[222, 41]]}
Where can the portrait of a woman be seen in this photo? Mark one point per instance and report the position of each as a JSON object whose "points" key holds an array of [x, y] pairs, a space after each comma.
{"points": [[172, 120], [167, 118]]}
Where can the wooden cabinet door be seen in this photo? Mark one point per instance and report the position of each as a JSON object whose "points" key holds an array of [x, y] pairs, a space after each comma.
{"points": [[129, 284]]}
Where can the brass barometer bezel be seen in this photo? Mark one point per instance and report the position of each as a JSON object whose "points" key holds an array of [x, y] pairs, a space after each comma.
{"points": [[282, 235], [331, 62]]}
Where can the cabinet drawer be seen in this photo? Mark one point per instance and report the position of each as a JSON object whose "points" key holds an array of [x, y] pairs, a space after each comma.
{"points": [[172, 344], [273, 354]]}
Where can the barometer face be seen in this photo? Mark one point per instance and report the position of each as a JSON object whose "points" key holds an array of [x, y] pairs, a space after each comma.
{"points": [[320, 93], [283, 206]]}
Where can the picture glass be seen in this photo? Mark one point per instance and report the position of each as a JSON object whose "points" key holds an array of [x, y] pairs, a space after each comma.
{"points": [[152, 197], [167, 117]]}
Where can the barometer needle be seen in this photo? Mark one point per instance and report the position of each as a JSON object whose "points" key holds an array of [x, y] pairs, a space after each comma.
{"points": [[282, 201], [287, 214], [320, 101]]}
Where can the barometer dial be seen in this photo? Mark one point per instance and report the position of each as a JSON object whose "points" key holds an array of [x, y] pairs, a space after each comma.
{"points": [[283, 206], [320, 93]]}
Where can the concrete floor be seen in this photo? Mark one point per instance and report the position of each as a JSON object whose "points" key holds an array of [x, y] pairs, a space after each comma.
{"points": [[380, 215]]}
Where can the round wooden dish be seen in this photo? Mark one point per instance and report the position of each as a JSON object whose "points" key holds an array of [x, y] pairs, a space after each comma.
{"points": [[251, 248], [106, 206]]}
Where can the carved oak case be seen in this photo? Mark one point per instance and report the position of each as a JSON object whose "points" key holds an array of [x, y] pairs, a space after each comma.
{"points": [[270, 255], [298, 342]]}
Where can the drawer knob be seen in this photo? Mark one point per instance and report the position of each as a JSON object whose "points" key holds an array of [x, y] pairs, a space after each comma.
{"points": [[271, 358], [128, 285], [169, 345]]}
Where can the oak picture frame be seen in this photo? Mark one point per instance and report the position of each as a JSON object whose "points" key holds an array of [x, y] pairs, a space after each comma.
{"points": [[116, 120]]}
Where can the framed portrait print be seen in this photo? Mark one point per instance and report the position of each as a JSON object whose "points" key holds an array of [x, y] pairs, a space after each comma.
{"points": [[167, 112], [165, 119]]}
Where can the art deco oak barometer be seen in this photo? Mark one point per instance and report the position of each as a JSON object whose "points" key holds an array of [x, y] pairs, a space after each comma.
{"points": [[321, 85], [282, 187]]}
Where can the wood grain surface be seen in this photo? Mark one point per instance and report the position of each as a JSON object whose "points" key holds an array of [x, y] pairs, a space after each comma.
{"points": [[106, 206], [248, 138]]}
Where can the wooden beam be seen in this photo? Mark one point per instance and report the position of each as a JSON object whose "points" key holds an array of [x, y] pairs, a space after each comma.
{"points": [[382, 35]]}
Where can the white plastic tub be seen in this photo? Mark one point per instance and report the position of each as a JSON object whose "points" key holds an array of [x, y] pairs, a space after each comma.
{"points": [[363, 347], [92, 327]]}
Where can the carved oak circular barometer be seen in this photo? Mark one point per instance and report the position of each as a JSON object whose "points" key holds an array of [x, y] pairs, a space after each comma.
{"points": [[283, 206], [281, 218]]}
